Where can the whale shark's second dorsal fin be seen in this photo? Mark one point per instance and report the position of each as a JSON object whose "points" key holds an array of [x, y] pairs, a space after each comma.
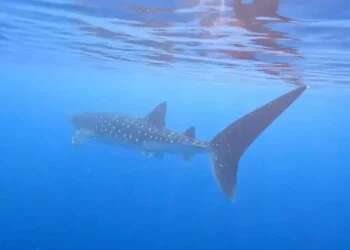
{"points": [[157, 115], [190, 132]]}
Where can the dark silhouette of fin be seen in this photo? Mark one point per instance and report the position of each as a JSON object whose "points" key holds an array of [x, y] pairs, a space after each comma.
{"points": [[190, 132], [157, 116], [229, 145]]}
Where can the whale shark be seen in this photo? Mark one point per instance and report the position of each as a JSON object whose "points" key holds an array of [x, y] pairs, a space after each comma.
{"points": [[150, 135]]}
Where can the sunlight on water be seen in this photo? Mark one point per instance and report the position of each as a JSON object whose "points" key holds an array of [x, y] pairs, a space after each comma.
{"points": [[239, 36]]}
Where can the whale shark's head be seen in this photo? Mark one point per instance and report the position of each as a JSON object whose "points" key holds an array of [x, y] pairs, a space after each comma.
{"points": [[84, 125], [84, 121]]}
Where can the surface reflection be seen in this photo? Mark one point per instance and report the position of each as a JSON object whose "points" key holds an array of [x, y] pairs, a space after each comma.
{"points": [[234, 34], [231, 33], [265, 37]]}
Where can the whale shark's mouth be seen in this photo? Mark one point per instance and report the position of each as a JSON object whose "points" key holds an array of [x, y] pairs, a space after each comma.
{"points": [[81, 135]]}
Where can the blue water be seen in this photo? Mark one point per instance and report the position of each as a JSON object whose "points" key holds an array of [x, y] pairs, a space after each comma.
{"points": [[212, 61]]}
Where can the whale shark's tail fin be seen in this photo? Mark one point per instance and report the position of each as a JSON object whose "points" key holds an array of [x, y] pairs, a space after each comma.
{"points": [[229, 145]]}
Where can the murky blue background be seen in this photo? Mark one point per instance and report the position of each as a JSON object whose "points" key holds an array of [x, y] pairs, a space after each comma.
{"points": [[212, 61]]}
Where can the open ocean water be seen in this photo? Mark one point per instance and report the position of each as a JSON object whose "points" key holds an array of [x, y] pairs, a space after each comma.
{"points": [[212, 61]]}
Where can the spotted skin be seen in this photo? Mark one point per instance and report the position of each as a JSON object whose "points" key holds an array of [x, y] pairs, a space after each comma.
{"points": [[138, 133]]}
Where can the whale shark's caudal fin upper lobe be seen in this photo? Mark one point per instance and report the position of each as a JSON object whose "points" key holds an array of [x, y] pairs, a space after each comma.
{"points": [[229, 145]]}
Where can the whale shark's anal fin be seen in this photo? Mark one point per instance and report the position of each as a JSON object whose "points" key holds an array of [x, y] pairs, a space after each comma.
{"points": [[152, 154], [229, 145], [157, 116]]}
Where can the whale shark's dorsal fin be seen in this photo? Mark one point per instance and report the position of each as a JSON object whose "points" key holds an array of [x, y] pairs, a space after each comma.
{"points": [[190, 132], [157, 115]]}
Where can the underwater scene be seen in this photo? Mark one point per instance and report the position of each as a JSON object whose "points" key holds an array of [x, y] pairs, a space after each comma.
{"points": [[174, 124]]}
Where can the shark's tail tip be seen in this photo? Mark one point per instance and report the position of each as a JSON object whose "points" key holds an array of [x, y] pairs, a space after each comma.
{"points": [[304, 87]]}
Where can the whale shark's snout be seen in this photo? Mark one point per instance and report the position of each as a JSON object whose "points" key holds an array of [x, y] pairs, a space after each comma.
{"points": [[83, 121], [84, 125]]}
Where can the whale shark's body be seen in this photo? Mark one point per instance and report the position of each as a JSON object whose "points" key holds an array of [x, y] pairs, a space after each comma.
{"points": [[149, 135], [143, 134]]}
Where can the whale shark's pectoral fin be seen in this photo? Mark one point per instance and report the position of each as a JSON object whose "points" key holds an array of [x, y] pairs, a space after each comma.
{"points": [[81, 135], [157, 116], [158, 155], [151, 154]]}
